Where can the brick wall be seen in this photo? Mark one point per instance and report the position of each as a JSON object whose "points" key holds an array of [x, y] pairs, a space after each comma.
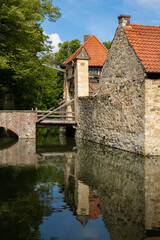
{"points": [[23, 123]]}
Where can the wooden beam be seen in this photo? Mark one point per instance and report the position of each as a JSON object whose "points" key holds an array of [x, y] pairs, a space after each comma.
{"points": [[55, 68], [64, 112], [58, 116], [59, 63], [63, 105]]}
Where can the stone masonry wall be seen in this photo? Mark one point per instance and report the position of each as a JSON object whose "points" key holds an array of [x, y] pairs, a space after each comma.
{"points": [[115, 117], [152, 116], [23, 123]]}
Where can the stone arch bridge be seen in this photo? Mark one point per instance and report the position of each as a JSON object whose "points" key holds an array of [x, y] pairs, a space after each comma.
{"points": [[22, 123]]}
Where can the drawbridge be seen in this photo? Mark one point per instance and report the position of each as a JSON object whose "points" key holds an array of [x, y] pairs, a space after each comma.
{"points": [[64, 115]]}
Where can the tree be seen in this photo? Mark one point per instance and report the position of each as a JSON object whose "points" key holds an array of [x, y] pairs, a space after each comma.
{"points": [[66, 49], [107, 44], [51, 84], [22, 41]]}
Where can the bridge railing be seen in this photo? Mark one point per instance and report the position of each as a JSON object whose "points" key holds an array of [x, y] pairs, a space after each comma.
{"points": [[65, 112]]}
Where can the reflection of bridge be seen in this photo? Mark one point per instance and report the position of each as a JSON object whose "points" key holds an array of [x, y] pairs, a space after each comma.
{"points": [[128, 184]]}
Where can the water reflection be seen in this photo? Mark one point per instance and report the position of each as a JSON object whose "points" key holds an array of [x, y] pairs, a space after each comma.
{"points": [[23, 152], [86, 191], [152, 195], [119, 178]]}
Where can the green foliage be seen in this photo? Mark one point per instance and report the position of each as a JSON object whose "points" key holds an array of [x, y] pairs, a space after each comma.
{"points": [[25, 200], [21, 43], [66, 49], [107, 44], [51, 84], [23, 49], [47, 136]]}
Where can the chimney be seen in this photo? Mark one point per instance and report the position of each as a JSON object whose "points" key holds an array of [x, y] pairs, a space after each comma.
{"points": [[124, 20], [86, 37]]}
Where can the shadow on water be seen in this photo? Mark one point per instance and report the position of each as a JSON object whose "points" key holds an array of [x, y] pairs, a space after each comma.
{"points": [[7, 138], [50, 140], [86, 191]]}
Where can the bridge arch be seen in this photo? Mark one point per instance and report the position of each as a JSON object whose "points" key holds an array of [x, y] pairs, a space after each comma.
{"points": [[22, 123], [6, 132]]}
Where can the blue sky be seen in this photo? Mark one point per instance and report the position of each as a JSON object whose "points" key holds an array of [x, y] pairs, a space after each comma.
{"points": [[98, 17]]}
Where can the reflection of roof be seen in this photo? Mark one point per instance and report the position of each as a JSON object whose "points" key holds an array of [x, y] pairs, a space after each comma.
{"points": [[95, 49], [83, 219], [94, 210], [145, 39]]}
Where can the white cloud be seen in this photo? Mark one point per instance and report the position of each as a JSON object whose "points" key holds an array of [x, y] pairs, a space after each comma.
{"points": [[55, 39]]}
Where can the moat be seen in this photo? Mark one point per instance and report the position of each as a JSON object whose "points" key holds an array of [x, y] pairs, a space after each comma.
{"points": [[57, 188]]}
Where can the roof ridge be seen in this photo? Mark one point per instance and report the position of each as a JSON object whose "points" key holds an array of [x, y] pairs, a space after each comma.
{"points": [[100, 42], [86, 45], [145, 25], [77, 51]]}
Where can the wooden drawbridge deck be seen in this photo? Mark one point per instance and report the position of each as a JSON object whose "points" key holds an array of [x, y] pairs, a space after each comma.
{"points": [[64, 115]]}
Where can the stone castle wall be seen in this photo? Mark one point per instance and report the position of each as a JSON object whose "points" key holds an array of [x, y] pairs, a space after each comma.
{"points": [[126, 112], [152, 116], [23, 123], [115, 117]]}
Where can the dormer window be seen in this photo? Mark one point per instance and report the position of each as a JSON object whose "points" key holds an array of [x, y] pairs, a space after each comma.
{"points": [[94, 71]]}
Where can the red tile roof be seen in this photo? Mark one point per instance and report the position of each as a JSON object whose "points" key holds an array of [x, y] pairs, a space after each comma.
{"points": [[95, 49], [145, 39]]}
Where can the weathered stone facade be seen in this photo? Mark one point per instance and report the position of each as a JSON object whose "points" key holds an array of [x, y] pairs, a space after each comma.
{"points": [[126, 113], [116, 116], [152, 116], [23, 123]]}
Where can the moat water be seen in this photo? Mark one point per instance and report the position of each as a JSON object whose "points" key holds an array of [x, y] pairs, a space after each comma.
{"points": [[59, 189]]}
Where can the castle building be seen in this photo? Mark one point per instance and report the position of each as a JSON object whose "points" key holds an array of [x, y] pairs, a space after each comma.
{"points": [[126, 112]]}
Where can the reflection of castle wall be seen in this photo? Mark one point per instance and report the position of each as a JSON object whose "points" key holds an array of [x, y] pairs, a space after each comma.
{"points": [[119, 178], [128, 186], [23, 152], [152, 192]]}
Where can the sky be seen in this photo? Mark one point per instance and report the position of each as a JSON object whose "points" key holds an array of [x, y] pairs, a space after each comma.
{"points": [[98, 17]]}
